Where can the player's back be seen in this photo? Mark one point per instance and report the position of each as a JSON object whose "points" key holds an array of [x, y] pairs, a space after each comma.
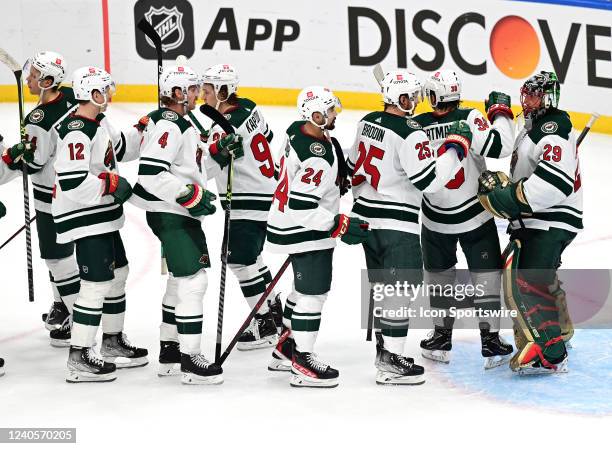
{"points": [[388, 193]]}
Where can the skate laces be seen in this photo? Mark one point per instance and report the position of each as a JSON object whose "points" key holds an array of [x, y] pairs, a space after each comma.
{"points": [[404, 361], [200, 360], [123, 341], [91, 357], [317, 364]]}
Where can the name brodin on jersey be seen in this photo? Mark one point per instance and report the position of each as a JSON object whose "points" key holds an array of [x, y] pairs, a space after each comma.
{"points": [[373, 132]]}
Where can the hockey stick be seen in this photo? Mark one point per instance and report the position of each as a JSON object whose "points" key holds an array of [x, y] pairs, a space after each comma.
{"points": [[253, 312], [218, 118], [16, 233], [587, 128], [148, 30], [378, 74], [16, 69]]}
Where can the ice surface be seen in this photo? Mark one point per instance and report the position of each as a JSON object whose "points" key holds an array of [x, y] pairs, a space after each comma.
{"points": [[256, 407]]}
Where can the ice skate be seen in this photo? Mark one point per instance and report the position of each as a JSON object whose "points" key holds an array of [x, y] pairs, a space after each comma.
{"points": [[197, 370], [118, 350], [310, 372], [57, 316], [283, 353], [169, 359], [276, 308], [438, 344], [495, 349], [85, 366], [531, 361], [395, 369], [260, 334], [60, 338]]}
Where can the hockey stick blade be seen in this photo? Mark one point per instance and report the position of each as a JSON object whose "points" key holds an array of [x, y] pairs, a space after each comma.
{"points": [[9, 61], [379, 74], [587, 128]]}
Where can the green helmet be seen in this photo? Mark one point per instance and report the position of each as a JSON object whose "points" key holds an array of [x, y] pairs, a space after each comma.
{"points": [[544, 85]]}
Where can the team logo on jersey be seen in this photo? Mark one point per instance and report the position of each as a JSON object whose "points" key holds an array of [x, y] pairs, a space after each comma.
{"points": [[549, 127], [75, 124], [37, 115], [413, 124], [227, 116], [170, 115], [317, 149], [205, 260]]}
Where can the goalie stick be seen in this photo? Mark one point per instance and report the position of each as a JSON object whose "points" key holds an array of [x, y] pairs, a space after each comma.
{"points": [[8, 60]]}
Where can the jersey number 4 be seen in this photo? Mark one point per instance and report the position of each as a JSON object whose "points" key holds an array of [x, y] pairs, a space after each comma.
{"points": [[282, 189], [365, 159]]}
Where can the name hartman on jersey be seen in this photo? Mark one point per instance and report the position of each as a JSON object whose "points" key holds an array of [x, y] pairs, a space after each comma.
{"points": [[253, 122], [373, 132], [437, 132]]}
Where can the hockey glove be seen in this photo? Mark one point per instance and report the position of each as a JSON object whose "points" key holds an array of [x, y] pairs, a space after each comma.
{"points": [[223, 149], [498, 103], [506, 200], [459, 138], [142, 123], [20, 150], [116, 185], [197, 200], [488, 180], [352, 231], [2, 210]]}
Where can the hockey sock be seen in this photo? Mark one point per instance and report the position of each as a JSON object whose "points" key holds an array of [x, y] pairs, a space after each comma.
{"points": [[65, 280], [167, 329], [439, 303], [253, 281], [288, 310], [189, 311], [490, 283], [113, 312], [394, 326], [87, 312], [306, 320]]}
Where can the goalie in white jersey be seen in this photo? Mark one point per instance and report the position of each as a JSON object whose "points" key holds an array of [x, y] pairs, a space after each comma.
{"points": [[543, 201], [87, 210], [454, 215], [253, 186], [393, 163]]}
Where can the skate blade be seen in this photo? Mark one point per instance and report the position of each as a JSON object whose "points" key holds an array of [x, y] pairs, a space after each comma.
{"points": [[263, 343], [387, 378], [74, 377], [126, 362], [299, 381], [496, 360], [562, 368], [2, 372], [169, 369], [279, 365], [437, 355], [59, 343], [194, 379]]}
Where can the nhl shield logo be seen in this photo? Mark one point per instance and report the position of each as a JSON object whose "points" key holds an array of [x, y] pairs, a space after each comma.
{"points": [[168, 22]]}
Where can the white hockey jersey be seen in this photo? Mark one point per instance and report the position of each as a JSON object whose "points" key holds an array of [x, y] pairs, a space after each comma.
{"points": [[84, 150], [307, 198], [456, 209], [547, 156], [393, 163], [253, 181], [170, 159]]}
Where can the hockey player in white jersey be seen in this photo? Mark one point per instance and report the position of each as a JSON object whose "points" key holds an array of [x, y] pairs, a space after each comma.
{"points": [[543, 201], [393, 163], [172, 188], [87, 210], [253, 185], [454, 214], [304, 222], [43, 74]]}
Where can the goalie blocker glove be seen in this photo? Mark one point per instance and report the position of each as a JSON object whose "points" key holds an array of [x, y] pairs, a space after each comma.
{"points": [[223, 149], [502, 198], [197, 200], [459, 138], [351, 231], [498, 103], [116, 185]]}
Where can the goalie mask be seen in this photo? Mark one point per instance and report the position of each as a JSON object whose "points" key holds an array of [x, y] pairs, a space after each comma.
{"points": [[442, 87], [398, 83], [317, 99], [543, 86], [88, 79]]}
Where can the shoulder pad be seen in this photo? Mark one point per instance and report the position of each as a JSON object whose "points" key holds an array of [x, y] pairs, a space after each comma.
{"points": [[402, 126], [71, 123], [307, 146], [170, 116], [555, 123]]}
